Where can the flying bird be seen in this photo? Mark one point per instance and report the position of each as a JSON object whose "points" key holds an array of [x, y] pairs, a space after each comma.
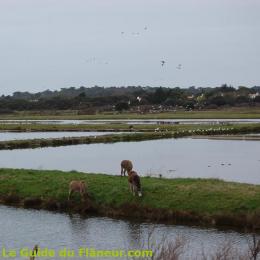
{"points": [[162, 62], [90, 60], [179, 67]]}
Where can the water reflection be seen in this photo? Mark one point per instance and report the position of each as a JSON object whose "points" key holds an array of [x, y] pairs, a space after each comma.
{"points": [[24, 228], [79, 229], [134, 234]]}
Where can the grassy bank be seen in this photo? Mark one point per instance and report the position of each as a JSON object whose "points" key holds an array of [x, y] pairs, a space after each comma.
{"points": [[118, 127], [55, 142], [164, 133], [229, 113], [230, 137], [197, 201], [72, 127]]}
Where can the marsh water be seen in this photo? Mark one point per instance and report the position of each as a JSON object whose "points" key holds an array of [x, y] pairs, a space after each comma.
{"points": [[20, 228], [231, 160]]}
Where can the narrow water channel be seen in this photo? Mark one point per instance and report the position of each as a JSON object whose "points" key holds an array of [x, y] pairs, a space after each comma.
{"points": [[231, 160]]}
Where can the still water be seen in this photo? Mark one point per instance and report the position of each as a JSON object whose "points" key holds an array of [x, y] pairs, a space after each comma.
{"points": [[20, 228], [6, 136], [231, 160]]}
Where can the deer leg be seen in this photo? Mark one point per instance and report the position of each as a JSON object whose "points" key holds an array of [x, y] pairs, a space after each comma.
{"points": [[70, 192], [82, 196], [131, 187], [134, 190]]}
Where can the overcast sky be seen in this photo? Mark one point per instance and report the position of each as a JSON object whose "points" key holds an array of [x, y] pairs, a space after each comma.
{"points": [[50, 44]]}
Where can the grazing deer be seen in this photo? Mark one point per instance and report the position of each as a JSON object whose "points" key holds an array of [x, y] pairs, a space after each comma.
{"points": [[134, 183], [78, 186], [126, 166]]}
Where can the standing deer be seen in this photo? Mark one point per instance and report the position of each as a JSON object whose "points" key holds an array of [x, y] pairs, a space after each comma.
{"points": [[78, 186], [134, 183], [126, 166]]}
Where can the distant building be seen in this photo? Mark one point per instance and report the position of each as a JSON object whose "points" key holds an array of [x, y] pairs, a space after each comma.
{"points": [[190, 97], [253, 96]]}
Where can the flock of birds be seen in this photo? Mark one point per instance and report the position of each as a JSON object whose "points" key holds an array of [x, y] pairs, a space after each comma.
{"points": [[95, 60], [222, 164], [136, 33]]}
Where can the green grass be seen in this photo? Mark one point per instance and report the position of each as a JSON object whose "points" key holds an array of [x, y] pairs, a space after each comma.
{"points": [[116, 127], [210, 196], [80, 127], [208, 202], [237, 113]]}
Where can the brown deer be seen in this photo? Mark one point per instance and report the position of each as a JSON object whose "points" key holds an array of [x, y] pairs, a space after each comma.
{"points": [[134, 183], [126, 166], [78, 186]]}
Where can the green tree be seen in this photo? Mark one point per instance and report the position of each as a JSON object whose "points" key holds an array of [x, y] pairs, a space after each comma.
{"points": [[121, 106]]}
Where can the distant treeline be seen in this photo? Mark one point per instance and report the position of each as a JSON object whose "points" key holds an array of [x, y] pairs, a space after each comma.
{"points": [[131, 97]]}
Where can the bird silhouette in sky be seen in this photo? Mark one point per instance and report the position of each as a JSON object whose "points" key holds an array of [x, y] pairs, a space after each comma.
{"points": [[90, 60], [162, 62], [179, 67]]}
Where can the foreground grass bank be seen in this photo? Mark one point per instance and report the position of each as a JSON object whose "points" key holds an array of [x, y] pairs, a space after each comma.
{"points": [[196, 201], [163, 133]]}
